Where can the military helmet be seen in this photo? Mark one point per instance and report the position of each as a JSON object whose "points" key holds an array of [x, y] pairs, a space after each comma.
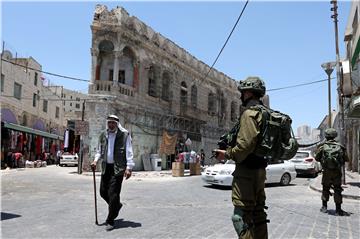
{"points": [[254, 84], [330, 133]]}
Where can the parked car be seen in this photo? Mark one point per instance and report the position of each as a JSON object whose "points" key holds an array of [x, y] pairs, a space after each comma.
{"points": [[305, 163], [221, 174], [69, 159]]}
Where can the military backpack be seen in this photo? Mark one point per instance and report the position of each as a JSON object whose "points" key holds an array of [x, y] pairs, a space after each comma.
{"points": [[333, 154], [276, 139]]}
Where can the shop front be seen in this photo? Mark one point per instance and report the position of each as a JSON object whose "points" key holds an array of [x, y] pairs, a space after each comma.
{"points": [[28, 144]]}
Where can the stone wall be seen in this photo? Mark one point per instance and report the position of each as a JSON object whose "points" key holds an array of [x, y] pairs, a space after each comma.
{"points": [[154, 85]]}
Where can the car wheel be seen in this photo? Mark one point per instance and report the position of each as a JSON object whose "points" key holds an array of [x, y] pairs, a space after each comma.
{"points": [[285, 179]]}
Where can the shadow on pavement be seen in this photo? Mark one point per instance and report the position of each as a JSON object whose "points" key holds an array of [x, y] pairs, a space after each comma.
{"points": [[355, 184], [332, 213], [6, 216], [120, 223], [218, 187]]}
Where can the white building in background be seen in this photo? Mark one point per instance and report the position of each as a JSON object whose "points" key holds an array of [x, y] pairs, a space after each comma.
{"points": [[315, 134], [72, 102], [304, 132]]}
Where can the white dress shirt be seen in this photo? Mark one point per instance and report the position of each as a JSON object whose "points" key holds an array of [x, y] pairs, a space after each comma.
{"points": [[110, 156]]}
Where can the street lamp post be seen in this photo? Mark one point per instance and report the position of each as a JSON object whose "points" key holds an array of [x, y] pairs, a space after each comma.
{"points": [[328, 68]]}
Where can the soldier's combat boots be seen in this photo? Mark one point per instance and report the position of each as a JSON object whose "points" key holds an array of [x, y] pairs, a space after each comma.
{"points": [[324, 207], [339, 211]]}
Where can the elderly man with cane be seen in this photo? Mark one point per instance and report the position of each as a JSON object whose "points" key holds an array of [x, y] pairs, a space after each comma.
{"points": [[116, 155]]}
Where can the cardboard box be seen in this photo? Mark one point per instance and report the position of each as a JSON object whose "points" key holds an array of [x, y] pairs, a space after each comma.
{"points": [[195, 169], [178, 169]]}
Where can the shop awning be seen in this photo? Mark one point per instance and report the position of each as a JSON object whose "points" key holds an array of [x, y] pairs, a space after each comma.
{"points": [[32, 131]]}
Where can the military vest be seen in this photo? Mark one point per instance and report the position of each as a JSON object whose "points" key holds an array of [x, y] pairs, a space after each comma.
{"points": [[120, 160]]}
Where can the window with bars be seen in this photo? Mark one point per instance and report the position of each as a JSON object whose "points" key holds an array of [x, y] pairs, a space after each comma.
{"points": [[152, 83], [45, 106], [36, 79], [2, 82], [165, 87], [211, 104], [17, 91], [34, 99], [57, 112], [194, 96]]}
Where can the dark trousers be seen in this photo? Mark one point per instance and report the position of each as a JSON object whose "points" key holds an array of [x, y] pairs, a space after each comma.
{"points": [[332, 178], [110, 188]]}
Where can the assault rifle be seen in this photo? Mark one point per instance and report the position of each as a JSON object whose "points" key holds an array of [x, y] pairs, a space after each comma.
{"points": [[227, 140]]}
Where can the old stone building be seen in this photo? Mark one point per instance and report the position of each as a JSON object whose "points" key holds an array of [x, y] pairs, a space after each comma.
{"points": [[154, 85], [31, 115]]}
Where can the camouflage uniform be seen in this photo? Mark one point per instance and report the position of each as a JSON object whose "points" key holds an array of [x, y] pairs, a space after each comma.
{"points": [[331, 175], [248, 187], [248, 194]]}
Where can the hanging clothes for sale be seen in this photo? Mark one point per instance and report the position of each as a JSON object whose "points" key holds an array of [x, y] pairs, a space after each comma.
{"points": [[13, 139], [38, 145], [66, 139]]}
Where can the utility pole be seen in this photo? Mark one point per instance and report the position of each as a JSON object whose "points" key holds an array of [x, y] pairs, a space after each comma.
{"points": [[328, 68], [338, 72], [81, 141], [339, 81]]}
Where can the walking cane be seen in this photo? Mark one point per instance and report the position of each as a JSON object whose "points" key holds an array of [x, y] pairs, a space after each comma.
{"points": [[96, 219]]}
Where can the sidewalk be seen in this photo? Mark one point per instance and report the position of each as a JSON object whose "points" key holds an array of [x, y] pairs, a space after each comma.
{"points": [[140, 174], [351, 188]]}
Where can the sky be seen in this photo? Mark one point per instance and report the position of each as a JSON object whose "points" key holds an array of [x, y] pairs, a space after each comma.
{"points": [[283, 42]]}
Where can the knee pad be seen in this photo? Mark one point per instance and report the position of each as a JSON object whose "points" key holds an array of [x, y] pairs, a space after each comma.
{"points": [[239, 225]]}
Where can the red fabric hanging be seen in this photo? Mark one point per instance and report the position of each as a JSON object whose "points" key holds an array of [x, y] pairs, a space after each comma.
{"points": [[38, 145]]}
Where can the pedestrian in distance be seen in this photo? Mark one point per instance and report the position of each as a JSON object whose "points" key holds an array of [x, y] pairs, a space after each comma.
{"points": [[58, 155], [202, 157], [332, 156], [116, 156]]}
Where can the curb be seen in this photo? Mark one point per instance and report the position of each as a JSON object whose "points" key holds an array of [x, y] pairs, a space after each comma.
{"points": [[343, 195]]}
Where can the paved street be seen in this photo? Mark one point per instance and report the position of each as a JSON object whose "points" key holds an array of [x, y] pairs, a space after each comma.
{"points": [[55, 202]]}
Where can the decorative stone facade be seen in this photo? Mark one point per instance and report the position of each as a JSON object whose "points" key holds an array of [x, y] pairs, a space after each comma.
{"points": [[153, 85]]}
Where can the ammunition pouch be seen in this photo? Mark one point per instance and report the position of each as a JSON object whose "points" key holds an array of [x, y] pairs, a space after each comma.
{"points": [[255, 162]]}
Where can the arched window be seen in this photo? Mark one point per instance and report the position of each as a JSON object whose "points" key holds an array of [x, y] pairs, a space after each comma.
{"points": [[211, 104], [104, 68], [165, 93], [223, 105], [183, 93], [126, 67], [152, 82], [194, 96], [232, 111], [24, 120]]}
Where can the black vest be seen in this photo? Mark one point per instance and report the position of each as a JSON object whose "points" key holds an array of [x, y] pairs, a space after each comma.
{"points": [[120, 161]]}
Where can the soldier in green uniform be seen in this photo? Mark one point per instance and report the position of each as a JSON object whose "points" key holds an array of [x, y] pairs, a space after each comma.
{"points": [[332, 156], [248, 187]]}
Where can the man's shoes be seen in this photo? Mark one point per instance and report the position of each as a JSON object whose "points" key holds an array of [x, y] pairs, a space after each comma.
{"points": [[323, 209], [341, 213], [109, 227]]}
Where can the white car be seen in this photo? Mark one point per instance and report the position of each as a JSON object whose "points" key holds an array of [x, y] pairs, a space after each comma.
{"points": [[69, 159], [221, 174], [305, 163]]}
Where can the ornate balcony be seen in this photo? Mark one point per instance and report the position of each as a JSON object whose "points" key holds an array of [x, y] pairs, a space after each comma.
{"points": [[112, 88]]}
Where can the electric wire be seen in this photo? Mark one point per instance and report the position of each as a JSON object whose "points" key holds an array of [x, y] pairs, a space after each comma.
{"points": [[232, 30]]}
